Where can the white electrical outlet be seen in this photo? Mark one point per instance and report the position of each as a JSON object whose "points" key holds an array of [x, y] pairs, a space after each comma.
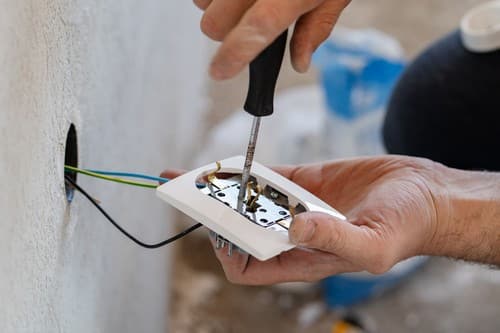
{"points": [[260, 227]]}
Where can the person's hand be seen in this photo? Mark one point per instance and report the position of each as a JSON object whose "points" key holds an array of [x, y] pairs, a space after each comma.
{"points": [[390, 204], [246, 27]]}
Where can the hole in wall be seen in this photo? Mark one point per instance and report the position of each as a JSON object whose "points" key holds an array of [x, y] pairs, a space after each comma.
{"points": [[71, 159]]}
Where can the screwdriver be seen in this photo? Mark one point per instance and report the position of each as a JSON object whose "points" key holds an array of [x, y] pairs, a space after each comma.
{"points": [[264, 71]]}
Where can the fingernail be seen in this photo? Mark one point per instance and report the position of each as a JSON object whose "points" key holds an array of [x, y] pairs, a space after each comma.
{"points": [[302, 231], [303, 65], [301, 60]]}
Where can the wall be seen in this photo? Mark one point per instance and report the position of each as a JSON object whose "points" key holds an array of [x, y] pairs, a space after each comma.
{"points": [[129, 75]]}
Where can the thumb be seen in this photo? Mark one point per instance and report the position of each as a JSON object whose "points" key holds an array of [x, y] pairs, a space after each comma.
{"points": [[358, 245], [172, 173], [326, 233]]}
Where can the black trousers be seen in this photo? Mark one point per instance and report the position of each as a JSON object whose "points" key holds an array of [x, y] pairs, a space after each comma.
{"points": [[446, 107]]}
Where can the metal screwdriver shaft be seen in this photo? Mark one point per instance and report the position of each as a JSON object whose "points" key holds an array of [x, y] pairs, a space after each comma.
{"points": [[264, 71], [248, 161]]}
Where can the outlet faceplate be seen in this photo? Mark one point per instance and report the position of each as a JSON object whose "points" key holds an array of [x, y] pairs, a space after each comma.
{"points": [[261, 234]]}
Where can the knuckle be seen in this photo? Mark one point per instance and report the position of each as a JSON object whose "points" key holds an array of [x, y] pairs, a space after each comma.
{"points": [[334, 241], [324, 26], [327, 19], [231, 55], [265, 19], [210, 27]]}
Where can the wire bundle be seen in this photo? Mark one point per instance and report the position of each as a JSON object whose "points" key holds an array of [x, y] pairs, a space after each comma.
{"points": [[115, 177]]}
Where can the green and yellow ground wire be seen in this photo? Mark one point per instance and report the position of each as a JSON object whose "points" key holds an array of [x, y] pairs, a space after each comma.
{"points": [[109, 178]]}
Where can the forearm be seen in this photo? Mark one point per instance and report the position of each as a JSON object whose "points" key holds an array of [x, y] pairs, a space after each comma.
{"points": [[468, 216]]}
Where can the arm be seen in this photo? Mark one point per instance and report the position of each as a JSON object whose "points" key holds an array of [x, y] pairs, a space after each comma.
{"points": [[469, 228]]}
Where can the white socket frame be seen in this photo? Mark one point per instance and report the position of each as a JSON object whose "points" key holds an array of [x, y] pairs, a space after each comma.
{"points": [[260, 242]]}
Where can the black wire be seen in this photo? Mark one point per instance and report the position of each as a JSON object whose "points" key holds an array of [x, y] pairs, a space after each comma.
{"points": [[113, 222]]}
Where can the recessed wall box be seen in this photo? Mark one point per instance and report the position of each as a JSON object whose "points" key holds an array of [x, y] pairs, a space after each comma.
{"points": [[260, 227]]}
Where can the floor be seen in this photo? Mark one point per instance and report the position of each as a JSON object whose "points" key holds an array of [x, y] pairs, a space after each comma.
{"points": [[444, 296]]}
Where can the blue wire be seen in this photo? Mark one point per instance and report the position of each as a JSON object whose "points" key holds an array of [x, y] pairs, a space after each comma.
{"points": [[135, 175], [130, 175]]}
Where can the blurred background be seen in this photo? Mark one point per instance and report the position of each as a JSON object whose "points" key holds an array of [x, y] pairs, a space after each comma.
{"points": [[436, 295], [123, 85]]}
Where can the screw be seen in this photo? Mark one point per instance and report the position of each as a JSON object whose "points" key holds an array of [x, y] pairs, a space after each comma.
{"points": [[274, 195]]}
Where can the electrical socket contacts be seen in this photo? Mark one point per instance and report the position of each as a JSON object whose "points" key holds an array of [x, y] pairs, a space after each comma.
{"points": [[260, 227]]}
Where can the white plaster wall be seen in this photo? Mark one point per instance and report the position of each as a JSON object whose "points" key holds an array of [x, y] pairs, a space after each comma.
{"points": [[130, 75]]}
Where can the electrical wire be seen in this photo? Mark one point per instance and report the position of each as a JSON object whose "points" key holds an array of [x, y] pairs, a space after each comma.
{"points": [[136, 175], [103, 175], [123, 231], [129, 175], [108, 178]]}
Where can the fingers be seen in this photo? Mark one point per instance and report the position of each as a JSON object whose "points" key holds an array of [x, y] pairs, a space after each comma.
{"points": [[172, 173], [308, 177], [311, 30], [235, 264], [292, 266], [258, 27], [322, 232], [221, 16], [285, 170], [357, 244], [202, 4]]}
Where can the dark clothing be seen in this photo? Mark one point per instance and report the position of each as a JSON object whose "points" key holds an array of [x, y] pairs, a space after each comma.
{"points": [[446, 107]]}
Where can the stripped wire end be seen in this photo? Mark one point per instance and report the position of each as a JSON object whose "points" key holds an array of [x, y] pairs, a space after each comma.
{"points": [[212, 178]]}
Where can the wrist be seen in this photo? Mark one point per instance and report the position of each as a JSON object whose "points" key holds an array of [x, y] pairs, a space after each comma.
{"points": [[468, 215]]}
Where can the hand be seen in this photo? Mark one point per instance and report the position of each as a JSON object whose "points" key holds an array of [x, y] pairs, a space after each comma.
{"points": [[392, 214], [246, 27]]}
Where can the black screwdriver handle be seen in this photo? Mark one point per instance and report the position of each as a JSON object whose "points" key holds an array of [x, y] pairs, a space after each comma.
{"points": [[264, 71]]}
